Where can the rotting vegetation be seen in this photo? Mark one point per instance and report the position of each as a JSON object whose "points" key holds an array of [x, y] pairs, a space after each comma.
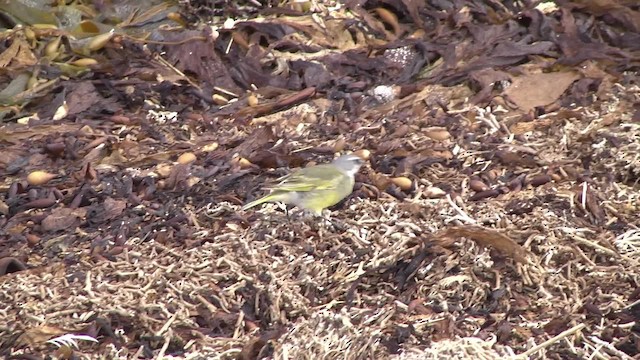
{"points": [[497, 216]]}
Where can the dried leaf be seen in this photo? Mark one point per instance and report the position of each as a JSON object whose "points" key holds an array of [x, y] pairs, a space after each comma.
{"points": [[63, 219], [533, 90], [490, 238], [36, 337]]}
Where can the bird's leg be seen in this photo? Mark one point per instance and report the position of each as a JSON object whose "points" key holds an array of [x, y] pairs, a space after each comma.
{"points": [[290, 217], [286, 211], [337, 224]]}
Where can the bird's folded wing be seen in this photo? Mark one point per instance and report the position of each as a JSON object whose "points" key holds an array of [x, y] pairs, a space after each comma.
{"points": [[302, 183], [321, 177], [299, 183]]}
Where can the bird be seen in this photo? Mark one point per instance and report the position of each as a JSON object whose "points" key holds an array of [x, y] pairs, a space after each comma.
{"points": [[315, 188]]}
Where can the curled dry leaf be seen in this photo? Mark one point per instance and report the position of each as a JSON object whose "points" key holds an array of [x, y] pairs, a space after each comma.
{"points": [[433, 192], [187, 158], [219, 99], [243, 163], [210, 147], [380, 181], [176, 17], [99, 41], [403, 182], [10, 265], [51, 50], [339, 144], [520, 128], [490, 238], [63, 218], [532, 90], [592, 203], [437, 133], [32, 239], [363, 154], [541, 179], [35, 337], [4, 208], [55, 148], [163, 170], [36, 178], [252, 100], [389, 18], [85, 62], [61, 112], [40, 203], [478, 185]]}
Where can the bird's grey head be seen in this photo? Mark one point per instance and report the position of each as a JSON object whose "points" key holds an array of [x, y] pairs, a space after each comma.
{"points": [[349, 163]]}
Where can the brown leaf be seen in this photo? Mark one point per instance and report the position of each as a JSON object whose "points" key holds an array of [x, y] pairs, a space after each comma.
{"points": [[280, 104], [18, 55], [486, 80], [557, 325], [627, 17], [254, 141], [179, 174], [10, 265], [513, 158], [194, 52], [490, 238], [520, 128], [36, 337], [113, 208], [63, 218], [251, 349], [83, 96], [389, 18], [592, 203], [533, 90]]}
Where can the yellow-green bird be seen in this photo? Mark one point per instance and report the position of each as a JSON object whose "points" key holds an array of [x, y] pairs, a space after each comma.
{"points": [[315, 188]]}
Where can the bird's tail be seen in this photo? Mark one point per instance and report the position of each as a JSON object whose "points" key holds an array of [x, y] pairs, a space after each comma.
{"points": [[269, 198]]}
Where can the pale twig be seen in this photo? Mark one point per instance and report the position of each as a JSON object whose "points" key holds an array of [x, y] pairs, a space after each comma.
{"points": [[226, 92], [239, 325], [551, 341], [609, 347], [593, 245], [637, 302], [69, 340], [584, 196], [165, 346], [167, 325], [461, 213], [628, 241]]}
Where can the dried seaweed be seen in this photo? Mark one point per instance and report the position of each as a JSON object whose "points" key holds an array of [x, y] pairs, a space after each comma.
{"points": [[497, 216]]}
